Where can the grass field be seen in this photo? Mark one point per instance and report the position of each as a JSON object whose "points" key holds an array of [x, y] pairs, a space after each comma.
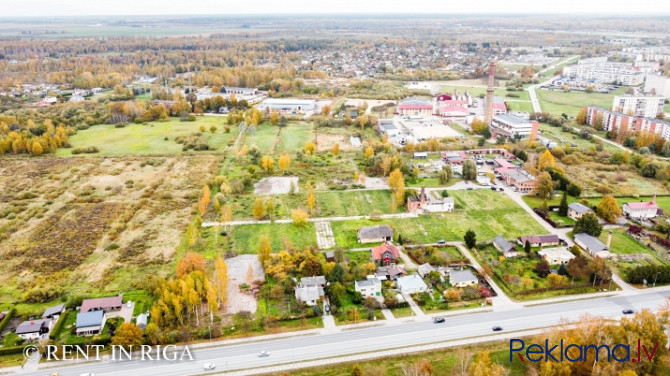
{"points": [[559, 135], [294, 136], [520, 106], [264, 137], [245, 239], [662, 201], [558, 102], [149, 139], [476, 91]]}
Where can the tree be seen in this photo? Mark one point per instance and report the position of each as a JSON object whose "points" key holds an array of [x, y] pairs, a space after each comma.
{"points": [[337, 274], [563, 207], [470, 239], [311, 198], [397, 183], [336, 149], [369, 152], [556, 280], [356, 370], [478, 126], [578, 267], [526, 247], [442, 176], [542, 268], [270, 208], [267, 163], [469, 170], [128, 335], [310, 148], [546, 160], [37, 148], [221, 269], [191, 262], [581, 116], [284, 162], [608, 209], [449, 171], [544, 186], [264, 249], [588, 223], [274, 118], [300, 217], [259, 210], [483, 366]]}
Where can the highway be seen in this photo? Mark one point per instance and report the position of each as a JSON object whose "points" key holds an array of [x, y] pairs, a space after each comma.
{"points": [[356, 341]]}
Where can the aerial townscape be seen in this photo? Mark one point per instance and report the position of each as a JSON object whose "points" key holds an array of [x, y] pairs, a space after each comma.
{"points": [[303, 191]]}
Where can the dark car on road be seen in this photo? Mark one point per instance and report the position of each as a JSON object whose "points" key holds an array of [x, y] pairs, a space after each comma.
{"points": [[438, 320], [497, 328], [628, 311]]}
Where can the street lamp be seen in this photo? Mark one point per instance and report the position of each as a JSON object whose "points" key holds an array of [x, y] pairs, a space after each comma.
{"points": [[655, 278]]}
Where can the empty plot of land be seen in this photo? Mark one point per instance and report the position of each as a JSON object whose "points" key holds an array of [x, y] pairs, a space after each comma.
{"points": [[324, 235], [376, 183], [276, 185], [430, 130], [243, 269]]}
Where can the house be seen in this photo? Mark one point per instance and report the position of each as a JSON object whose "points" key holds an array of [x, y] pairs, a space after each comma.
{"points": [[504, 247], [391, 272], [420, 155], [53, 312], [556, 256], [90, 323], [539, 240], [641, 210], [114, 303], [594, 246], [463, 278], [374, 234], [424, 201], [309, 295], [33, 329], [141, 321], [77, 98], [384, 254], [412, 284], [370, 288], [425, 269], [577, 210], [330, 256], [313, 281]]}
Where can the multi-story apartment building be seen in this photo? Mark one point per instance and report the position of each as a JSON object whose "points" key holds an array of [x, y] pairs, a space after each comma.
{"points": [[638, 105], [613, 120], [657, 85]]}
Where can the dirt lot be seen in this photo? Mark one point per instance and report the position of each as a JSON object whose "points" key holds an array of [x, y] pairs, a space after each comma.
{"points": [[91, 224], [277, 185], [242, 269]]}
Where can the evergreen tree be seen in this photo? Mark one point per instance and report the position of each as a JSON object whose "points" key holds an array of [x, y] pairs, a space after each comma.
{"points": [[563, 208]]}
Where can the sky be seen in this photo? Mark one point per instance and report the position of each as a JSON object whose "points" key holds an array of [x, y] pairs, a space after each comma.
{"points": [[46, 8]]}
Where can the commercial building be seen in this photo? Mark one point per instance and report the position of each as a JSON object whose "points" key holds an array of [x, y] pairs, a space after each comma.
{"points": [[513, 127], [289, 105], [638, 105], [415, 107]]}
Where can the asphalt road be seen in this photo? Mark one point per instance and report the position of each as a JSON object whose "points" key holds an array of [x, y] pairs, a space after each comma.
{"points": [[310, 347]]}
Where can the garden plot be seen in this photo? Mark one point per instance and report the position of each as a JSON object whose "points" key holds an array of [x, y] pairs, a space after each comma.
{"points": [[242, 270], [324, 235], [276, 185]]}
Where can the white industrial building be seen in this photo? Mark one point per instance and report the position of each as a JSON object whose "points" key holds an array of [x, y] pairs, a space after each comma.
{"points": [[511, 126]]}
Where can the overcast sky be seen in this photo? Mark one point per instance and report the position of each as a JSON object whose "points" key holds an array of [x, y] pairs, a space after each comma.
{"points": [[22, 8]]}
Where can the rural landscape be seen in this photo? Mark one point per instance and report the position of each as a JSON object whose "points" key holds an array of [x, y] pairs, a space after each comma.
{"points": [[371, 195]]}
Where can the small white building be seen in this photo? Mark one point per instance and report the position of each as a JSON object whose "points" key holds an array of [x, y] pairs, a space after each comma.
{"points": [[577, 210], [556, 256], [33, 329], [412, 284], [425, 269], [641, 210], [370, 288], [463, 278]]}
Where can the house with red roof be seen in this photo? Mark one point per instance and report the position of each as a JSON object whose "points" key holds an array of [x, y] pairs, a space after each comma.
{"points": [[384, 254], [641, 209], [113, 303]]}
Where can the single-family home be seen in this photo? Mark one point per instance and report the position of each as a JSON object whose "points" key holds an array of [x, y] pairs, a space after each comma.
{"points": [[426, 202], [309, 295], [425, 269], [54, 312], [374, 234], [592, 245], [556, 256], [90, 323], [113, 303], [390, 272], [463, 278], [411, 284], [142, 320], [641, 210], [33, 329], [539, 240], [371, 287], [577, 210], [504, 247], [313, 281], [384, 254]]}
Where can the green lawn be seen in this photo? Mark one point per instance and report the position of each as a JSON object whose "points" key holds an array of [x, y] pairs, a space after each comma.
{"points": [[264, 137], [534, 202], [245, 239], [402, 312], [622, 243], [488, 213], [558, 102], [148, 139], [520, 106], [294, 136], [559, 135], [560, 219], [550, 72]]}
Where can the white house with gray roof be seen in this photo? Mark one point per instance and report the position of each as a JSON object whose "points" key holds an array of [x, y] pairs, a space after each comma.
{"points": [[592, 245], [577, 210], [504, 247], [90, 323], [463, 278], [370, 288], [412, 284], [33, 329], [309, 295]]}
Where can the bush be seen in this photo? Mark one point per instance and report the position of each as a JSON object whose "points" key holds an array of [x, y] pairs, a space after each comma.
{"points": [[8, 317], [12, 350], [87, 150], [55, 331]]}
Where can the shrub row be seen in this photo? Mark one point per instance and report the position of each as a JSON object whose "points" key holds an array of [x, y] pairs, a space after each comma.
{"points": [[55, 331], [5, 321]]}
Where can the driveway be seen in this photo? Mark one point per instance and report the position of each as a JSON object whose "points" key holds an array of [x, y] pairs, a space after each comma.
{"points": [[126, 313]]}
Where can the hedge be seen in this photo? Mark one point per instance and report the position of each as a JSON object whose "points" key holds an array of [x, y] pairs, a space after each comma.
{"points": [[12, 350], [55, 331], [5, 321]]}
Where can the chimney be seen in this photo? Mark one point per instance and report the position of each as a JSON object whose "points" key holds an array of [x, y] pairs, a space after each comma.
{"points": [[422, 195], [609, 238], [653, 199]]}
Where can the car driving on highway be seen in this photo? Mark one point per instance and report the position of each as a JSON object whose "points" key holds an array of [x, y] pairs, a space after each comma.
{"points": [[263, 353], [209, 366]]}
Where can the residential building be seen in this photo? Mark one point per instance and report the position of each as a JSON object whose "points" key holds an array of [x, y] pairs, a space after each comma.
{"points": [[657, 85], [141, 321], [577, 210], [523, 181], [504, 247], [415, 107], [599, 70], [426, 202], [462, 278], [639, 105], [370, 288], [384, 254], [539, 240], [90, 323], [375, 234], [556, 256], [114, 303], [54, 312], [390, 272], [513, 127], [412, 284], [425, 269], [33, 329], [313, 281], [309, 295], [592, 245], [613, 120], [641, 210]]}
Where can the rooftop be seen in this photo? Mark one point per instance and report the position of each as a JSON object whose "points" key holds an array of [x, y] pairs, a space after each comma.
{"points": [[101, 303], [93, 318], [381, 231], [32, 326], [593, 244], [579, 208], [507, 118], [465, 275]]}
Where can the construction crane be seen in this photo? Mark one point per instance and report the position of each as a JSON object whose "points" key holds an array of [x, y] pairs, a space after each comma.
{"points": [[488, 109]]}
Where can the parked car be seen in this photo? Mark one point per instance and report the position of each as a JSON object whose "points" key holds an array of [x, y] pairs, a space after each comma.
{"points": [[209, 366], [497, 328], [628, 311], [470, 188], [438, 320], [263, 353], [494, 188], [441, 242], [501, 189]]}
